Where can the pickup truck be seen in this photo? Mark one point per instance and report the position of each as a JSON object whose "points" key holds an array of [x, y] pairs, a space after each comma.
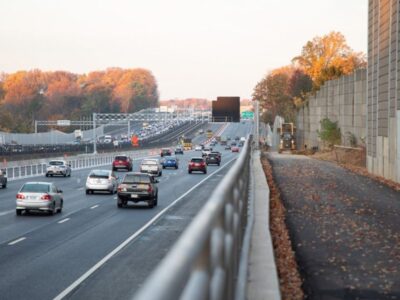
{"points": [[151, 166], [137, 187]]}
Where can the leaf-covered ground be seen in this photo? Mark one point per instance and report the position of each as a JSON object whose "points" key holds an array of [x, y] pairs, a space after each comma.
{"points": [[289, 277], [344, 228]]}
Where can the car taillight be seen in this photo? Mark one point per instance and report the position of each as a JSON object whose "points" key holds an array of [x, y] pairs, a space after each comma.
{"points": [[20, 196], [46, 197], [122, 188], [149, 189]]}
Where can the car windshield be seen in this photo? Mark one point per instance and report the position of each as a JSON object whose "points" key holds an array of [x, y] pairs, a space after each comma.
{"points": [[124, 158], [171, 159], [213, 155], [197, 160], [99, 174], [35, 188], [56, 163], [149, 162], [136, 179]]}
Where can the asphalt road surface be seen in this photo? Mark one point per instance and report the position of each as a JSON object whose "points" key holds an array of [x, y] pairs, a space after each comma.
{"points": [[345, 229], [44, 257]]}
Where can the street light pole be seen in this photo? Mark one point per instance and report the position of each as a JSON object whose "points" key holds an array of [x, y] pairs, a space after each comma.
{"points": [[94, 134]]}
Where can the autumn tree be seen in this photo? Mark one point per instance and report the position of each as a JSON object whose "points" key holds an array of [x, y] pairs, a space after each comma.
{"points": [[328, 57], [278, 90]]}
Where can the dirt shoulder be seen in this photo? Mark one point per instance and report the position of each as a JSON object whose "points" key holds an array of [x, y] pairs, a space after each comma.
{"points": [[344, 228]]}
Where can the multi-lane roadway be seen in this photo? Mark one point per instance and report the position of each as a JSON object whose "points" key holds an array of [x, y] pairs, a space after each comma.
{"points": [[93, 250]]}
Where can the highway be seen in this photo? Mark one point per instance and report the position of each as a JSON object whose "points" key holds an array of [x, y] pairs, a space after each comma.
{"points": [[93, 250]]}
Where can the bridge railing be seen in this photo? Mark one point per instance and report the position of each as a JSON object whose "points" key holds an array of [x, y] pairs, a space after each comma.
{"points": [[204, 262]]}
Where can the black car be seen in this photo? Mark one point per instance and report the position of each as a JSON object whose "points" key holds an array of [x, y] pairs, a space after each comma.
{"points": [[178, 150], [237, 138], [138, 187], [240, 144], [218, 154], [3, 179], [166, 152], [213, 159]]}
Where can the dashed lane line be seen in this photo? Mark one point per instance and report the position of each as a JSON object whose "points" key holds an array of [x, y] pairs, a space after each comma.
{"points": [[63, 221], [16, 241], [95, 206]]}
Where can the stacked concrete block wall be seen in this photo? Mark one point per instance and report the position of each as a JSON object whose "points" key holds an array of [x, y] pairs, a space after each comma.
{"points": [[383, 101], [342, 100]]}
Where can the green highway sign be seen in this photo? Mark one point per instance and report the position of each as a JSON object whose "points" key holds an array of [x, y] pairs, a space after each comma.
{"points": [[247, 115]]}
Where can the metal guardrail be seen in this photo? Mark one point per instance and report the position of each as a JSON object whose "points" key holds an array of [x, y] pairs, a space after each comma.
{"points": [[77, 162], [204, 262]]}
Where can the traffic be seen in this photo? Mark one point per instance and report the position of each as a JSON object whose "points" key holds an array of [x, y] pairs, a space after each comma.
{"points": [[100, 209]]}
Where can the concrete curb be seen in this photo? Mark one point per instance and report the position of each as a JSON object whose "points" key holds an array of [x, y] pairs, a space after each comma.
{"points": [[262, 280]]}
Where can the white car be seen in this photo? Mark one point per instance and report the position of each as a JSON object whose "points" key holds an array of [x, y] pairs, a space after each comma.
{"points": [[108, 139], [101, 180], [58, 167], [40, 196], [198, 148], [151, 166]]}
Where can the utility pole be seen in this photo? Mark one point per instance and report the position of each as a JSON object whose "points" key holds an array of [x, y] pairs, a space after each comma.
{"points": [[94, 134]]}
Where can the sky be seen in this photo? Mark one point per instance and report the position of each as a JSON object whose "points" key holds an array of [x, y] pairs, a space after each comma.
{"points": [[200, 49]]}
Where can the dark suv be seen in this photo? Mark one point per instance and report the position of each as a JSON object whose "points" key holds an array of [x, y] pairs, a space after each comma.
{"points": [[138, 187], [3, 179], [122, 162], [213, 158], [166, 152]]}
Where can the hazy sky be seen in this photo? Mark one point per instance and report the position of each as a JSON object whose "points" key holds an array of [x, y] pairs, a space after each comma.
{"points": [[202, 48]]}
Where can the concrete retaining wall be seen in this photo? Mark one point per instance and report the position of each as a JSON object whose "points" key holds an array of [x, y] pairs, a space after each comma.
{"points": [[342, 100]]}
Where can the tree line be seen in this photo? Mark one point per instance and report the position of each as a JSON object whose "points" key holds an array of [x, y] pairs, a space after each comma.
{"points": [[323, 58], [26, 96]]}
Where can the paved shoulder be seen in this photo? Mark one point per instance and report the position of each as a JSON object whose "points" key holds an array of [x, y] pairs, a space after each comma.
{"points": [[344, 227]]}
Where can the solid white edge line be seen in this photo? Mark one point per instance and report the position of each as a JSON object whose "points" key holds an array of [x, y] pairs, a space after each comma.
{"points": [[94, 206], [77, 282], [16, 241], [63, 221]]}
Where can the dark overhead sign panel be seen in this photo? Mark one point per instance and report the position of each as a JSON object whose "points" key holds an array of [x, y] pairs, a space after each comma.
{"points": [[226, 109]]}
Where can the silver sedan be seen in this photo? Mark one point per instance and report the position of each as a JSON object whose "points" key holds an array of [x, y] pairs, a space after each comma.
{"points": [[40, 196], [101, 180]]}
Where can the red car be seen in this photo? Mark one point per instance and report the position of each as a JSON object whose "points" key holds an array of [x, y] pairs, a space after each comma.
{"points": [[122, 162], [197, 164], [235, 149]]}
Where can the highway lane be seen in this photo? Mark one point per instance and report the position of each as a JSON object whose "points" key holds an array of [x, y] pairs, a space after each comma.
{"points": [[51, 252]]}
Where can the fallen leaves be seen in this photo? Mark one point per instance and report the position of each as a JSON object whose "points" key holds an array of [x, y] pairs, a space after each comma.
{"points": [[289, 277]]}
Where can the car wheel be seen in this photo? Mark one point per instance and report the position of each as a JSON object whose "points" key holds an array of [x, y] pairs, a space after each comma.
{"points": [[160, 173], [47, 175], [119, 203], [218, 164], [111, 191], [18, 212], [176, 167], [151, 203], [4, 185], [69, 175], [87, 192], [65, 175], [190, 172], [114, 169], [156, 200], [61, 206], [53, 210], [205, 171], [163, 167]]}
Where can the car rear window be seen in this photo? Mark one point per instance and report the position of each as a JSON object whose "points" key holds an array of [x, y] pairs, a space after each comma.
{"points": [[149, 162], [35, 188], [197, 160], [212, 155], [124, 158], [99, 174], [136, 179], [56, 163]]}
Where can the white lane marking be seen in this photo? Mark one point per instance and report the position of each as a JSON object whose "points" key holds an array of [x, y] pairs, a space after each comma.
{"points": [[17, 241], [115, 198], [94, 206], [3, 213], [63, 221], [80, 189], [98, 265]]}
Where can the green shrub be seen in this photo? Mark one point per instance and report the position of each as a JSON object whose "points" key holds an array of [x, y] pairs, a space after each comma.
{"points": [[330, 132]]}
